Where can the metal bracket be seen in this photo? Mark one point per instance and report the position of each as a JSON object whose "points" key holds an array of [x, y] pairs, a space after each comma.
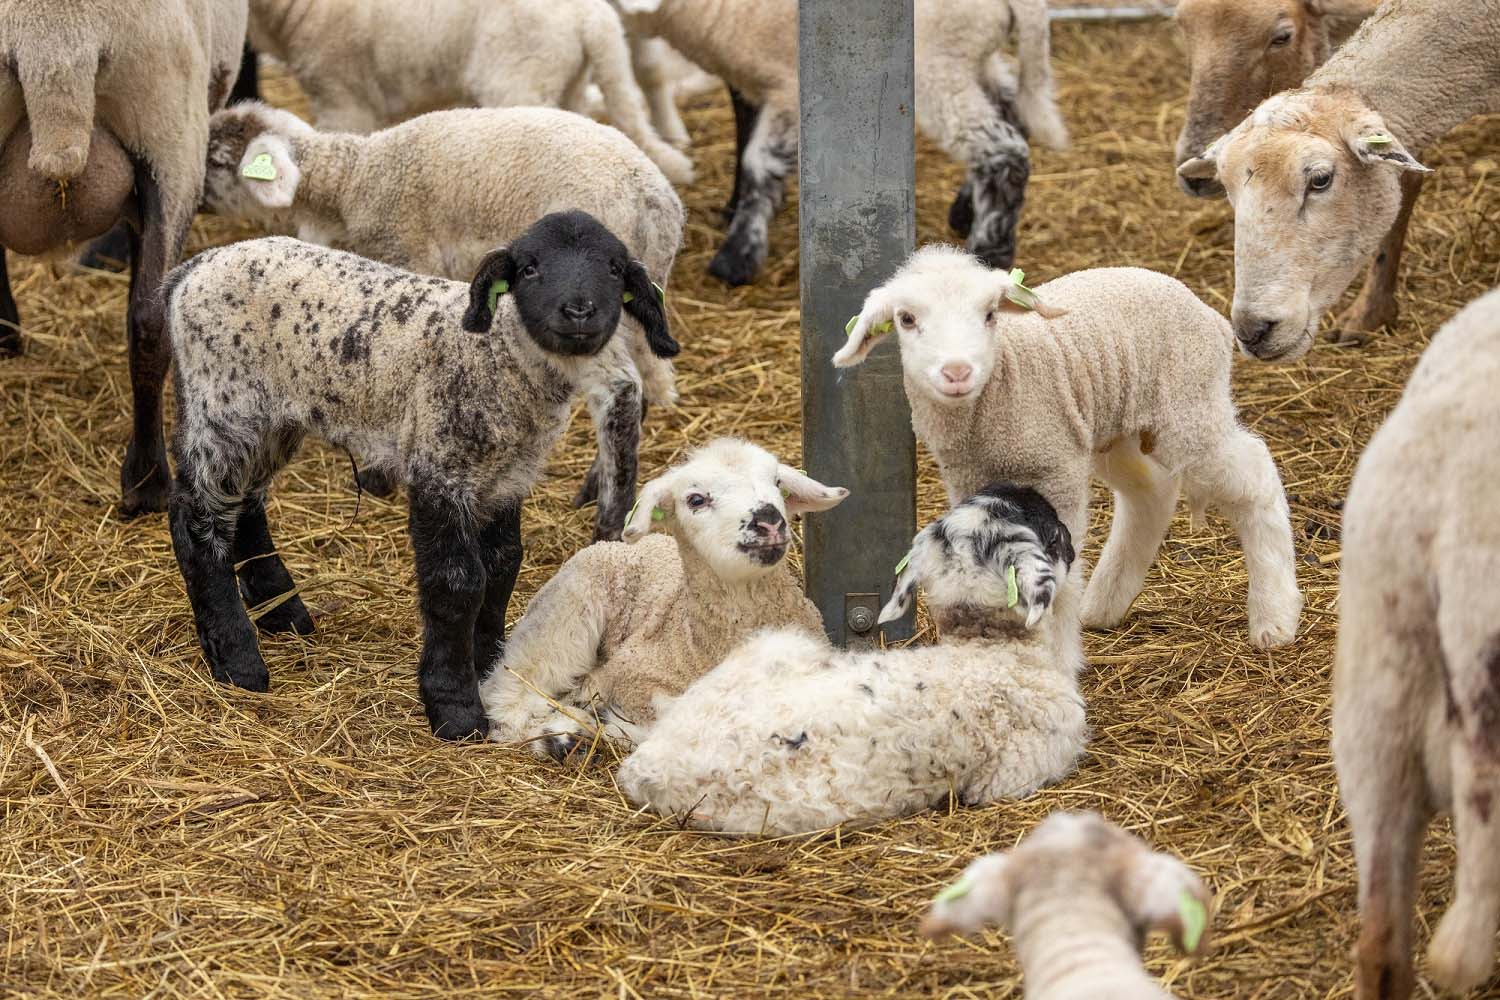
{"points": [[860, 614]]}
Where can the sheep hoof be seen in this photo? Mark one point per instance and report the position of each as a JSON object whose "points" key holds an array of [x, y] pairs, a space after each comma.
{"points": [[142, 491], [290, 616], [1462, 953], [458, 722], [733, 266], [1269, 636], [10, 342], [244, 669]]}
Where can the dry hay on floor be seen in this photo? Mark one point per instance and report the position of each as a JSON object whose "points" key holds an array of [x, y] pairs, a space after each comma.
{"points": [[166, 835]]}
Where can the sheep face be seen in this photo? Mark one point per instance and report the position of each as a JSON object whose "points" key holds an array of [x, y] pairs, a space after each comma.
{"points": [[944, 307], [252, 167], [571, 278], [1313, 179], [1000, 553], [730, 503], [1070, 856]]}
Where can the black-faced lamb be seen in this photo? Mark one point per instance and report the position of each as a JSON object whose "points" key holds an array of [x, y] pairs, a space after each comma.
{"points": [[1078, 897], [438, 192], [1416, 676], [1125, 377], [966, 102], [459, 390], [789, 735], [368, 64], [623, 625], [104, 116]]}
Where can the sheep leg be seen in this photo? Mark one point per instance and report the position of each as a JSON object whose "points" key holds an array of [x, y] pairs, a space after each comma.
{"points": [[745, 116], [143, 476], [10, 316], [1238, 476], [500, 548], [450, 591], [263, 576], [1145, 498], [617, 414], [1375, 307], [202, 539], [998, 181], [961, 212], [646, 56], [769, 156]]}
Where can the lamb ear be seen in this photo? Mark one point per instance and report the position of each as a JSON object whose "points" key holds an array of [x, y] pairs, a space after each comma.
{"points": [[980, 897], [654, 503], [873, 324], [1378, 147], [493, 279], [1162, 894], [1013, 293], [903, 591], [805, 494], [269, 172], [645, 302]]}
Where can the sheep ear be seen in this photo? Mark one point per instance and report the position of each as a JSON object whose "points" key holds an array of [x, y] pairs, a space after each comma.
{"points": [[980, 897], [873, 324], [654, 503], [805, 494], [646, 303], [1011, 291], [269, 173], [492, 280], [1378, 147], [1162, 894], [903, 591]]}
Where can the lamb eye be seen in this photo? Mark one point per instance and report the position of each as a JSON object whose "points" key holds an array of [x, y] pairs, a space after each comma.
{"points": [[615, 270], [697, 501], [906, 319], [989, 318], [1320, 181], [1281, 38], [529, 271]]}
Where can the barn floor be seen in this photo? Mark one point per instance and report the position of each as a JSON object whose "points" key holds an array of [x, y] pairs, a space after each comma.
{"points": [[164, 835]]}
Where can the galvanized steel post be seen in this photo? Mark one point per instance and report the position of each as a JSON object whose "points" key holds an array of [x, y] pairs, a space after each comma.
{"points": [[857, 183]]}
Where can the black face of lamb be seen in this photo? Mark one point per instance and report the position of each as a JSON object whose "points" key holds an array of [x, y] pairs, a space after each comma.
{"points": [[1024, 505], [764, 535]]}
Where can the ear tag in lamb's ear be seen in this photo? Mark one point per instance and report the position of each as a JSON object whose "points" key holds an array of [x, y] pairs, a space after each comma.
{"points": [[1012, 592], [1019, 293], [498, 289], [902, 564], [661, 295], [657, 514], [1194, 920], [260, 169], [958, 890], [879, 327], [1378, 139]]}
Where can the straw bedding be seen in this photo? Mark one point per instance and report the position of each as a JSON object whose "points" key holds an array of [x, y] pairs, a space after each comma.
{"points": [[165, 835]]}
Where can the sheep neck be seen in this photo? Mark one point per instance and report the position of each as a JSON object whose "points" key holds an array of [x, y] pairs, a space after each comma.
{"points": [[971, 623], [1072, 944], [717, 609], [328, 161]]}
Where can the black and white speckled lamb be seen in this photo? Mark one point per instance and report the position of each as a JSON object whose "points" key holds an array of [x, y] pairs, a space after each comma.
{"points": [[458, 390]]}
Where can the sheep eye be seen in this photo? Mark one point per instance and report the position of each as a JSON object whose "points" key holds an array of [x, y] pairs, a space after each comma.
{"points": [[697, 501], [1320, 181], [989, 318], [1281, 38], [529, 271], [906, 319], [615, 270]]}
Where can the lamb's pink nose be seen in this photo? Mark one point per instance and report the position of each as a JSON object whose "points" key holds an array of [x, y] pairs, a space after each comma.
{"points": [[957, 372]]}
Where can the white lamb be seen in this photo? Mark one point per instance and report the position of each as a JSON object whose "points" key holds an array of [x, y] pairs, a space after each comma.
{"points": [[1130, 384], [789, 735], [1078, 897], [367, 64], [622, 625]]}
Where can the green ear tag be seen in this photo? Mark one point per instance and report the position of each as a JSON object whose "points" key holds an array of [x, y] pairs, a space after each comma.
{"points": [[1019, 293], [902, 564], [628, 297], [260, 169], [1012, 592], [657, 514], [849, 326], [498, 289], [1194, 919], [958, 890], [661, 293], [1378, 139]]}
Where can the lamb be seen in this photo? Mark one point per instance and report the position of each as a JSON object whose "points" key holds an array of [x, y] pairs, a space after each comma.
{"points": [[1120, 371], [1079, 896], [361, 71], [789, 735], [460, 390], [1240, 53], [1416, 677], [966, 103], [1318, 177], [436, 193], [103, 116], [622, 625]]}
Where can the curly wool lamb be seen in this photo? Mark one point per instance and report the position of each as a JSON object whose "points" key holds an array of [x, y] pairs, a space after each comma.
{"points": [[104, 116], [623, 625], [789, 735], [1078, 897], [367, 64], [460, 390], [437, 193], [1118, 372]]}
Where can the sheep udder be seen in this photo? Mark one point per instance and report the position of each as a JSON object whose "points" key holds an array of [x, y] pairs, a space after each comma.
{"points": [[42, 214]]}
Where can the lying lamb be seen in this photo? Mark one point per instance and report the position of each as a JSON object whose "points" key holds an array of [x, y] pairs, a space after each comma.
{"points": [[622, 625], [788, 735], [966, 102], [368, 64], [103, 116], [436, 193], [1078, 897], [1321, 179], [460, 390], [1131, 384], [1416, 677]]}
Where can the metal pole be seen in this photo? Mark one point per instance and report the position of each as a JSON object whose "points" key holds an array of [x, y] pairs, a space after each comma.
{"points": [[857, 182]]}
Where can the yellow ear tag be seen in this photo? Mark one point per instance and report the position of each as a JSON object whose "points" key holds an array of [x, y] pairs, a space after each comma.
{"points": [[1194, 920], [902, 564], [958, 890], [879, 327], [260, 169], [1378, 139], [498, 289], [1012, 592]]}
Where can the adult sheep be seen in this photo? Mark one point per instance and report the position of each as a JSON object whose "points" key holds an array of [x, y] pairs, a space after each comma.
{"points": [[1318, 177], [104, 115]]}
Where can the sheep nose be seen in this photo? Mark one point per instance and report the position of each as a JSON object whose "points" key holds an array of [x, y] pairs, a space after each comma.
{"points": [[767, 522], [1252, 331], [578, 311], [957, 372]]}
